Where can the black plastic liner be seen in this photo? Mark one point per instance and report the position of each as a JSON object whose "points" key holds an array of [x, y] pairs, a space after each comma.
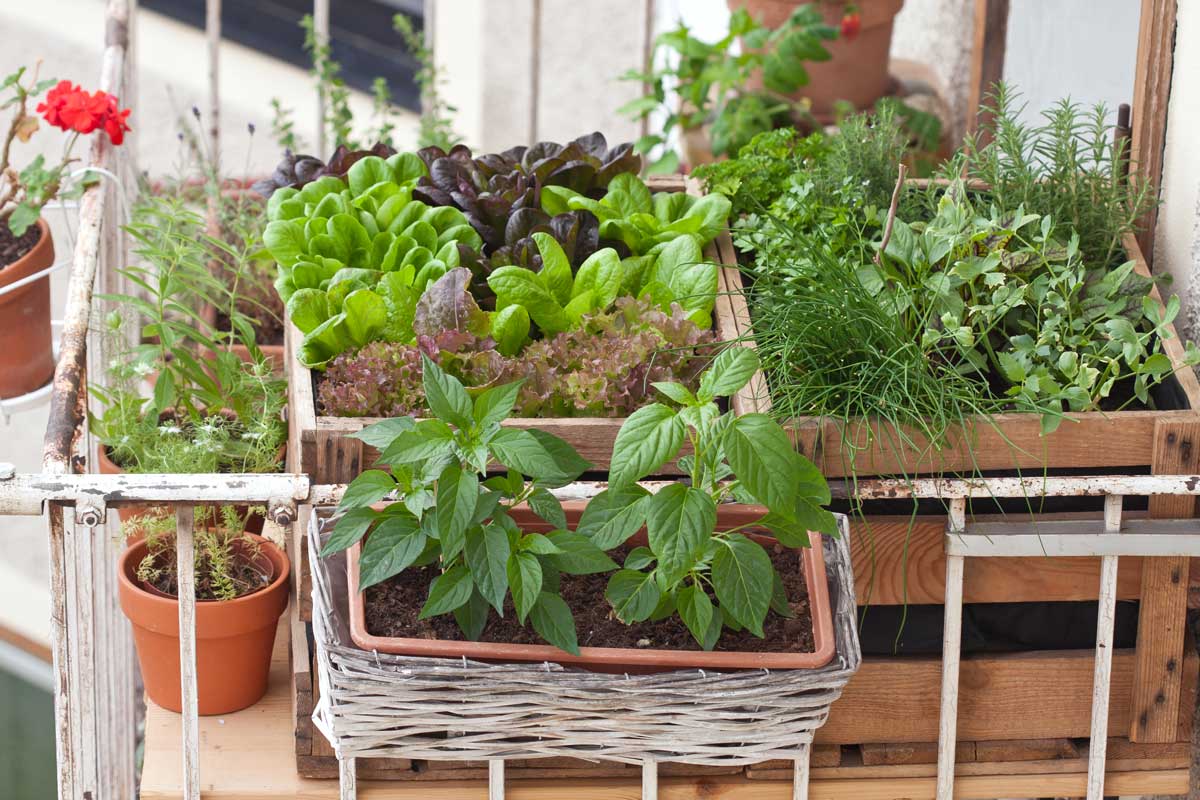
{"points": [[992, 627]]}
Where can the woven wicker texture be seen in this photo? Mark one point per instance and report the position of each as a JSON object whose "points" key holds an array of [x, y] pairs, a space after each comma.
{"points": [[378, 705]]}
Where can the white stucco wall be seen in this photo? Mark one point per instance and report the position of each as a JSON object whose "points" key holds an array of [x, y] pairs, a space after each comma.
{"points": [[1085, 49], [940, 33], [485, 49], [1177, 239]]}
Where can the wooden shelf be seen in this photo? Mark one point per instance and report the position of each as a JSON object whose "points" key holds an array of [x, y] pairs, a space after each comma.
{"points": [[250, 755]]}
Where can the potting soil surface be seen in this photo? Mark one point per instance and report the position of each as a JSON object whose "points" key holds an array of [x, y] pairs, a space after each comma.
{"points": [[13, 247], [393, 605]]}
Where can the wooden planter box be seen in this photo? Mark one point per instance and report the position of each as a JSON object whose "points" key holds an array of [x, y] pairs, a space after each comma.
{"points": [[1026, 695]]}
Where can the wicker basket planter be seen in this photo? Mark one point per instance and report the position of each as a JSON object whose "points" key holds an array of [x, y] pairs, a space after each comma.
{"points": [[455, 709], [618, 659]]}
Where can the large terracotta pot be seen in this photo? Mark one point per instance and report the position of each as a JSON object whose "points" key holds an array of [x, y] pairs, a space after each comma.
{"points": [[234, 638], [26, 345], [857, 71], [618, 659]]}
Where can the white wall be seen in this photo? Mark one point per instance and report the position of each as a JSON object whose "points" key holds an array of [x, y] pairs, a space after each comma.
{"points": [[1085, 49], [486, 50], [1177, 238]]}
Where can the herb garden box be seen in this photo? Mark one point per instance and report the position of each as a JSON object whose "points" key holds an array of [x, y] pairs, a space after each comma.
{"points": [[899, 560]]}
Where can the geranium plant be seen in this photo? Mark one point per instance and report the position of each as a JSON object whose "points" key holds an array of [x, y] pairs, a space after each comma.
{"points": [[748, 458], [451, 514], [24, 192]]}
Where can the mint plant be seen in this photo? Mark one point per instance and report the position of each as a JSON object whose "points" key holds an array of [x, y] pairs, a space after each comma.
{"points": [[747, 458], [451, 514]]}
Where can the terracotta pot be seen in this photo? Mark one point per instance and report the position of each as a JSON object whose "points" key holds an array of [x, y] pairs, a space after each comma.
{"points": [[617, 659], [26, 344], [234, 638], [857, 71], [106, 466]]}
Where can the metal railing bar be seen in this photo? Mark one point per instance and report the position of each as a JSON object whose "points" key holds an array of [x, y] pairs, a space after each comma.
{"points": [[951, 654], [185, 566]]}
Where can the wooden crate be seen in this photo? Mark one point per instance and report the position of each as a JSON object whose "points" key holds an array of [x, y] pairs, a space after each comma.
{"points": [[321, 447], [1031, 694]]}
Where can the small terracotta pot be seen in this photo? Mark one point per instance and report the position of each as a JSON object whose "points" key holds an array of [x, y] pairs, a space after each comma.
{"points": [[620, 659], [106, 466], [26, 344], [234, 638], [857, 71]]}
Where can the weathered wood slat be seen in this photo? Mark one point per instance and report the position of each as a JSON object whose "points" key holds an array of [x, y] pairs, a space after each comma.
{"points": [[1162, 616]]}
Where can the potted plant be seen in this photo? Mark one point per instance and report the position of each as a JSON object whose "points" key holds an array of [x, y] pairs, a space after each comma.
{"points": [[498, 552], [206, 414], [26, 248], [856, 69], [241, 586], [725, 98]]}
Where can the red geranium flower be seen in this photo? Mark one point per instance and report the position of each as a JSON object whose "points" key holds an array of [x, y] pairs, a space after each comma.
{"points": [[115, 124], [73, 109], [851, 23], [51, 109]]}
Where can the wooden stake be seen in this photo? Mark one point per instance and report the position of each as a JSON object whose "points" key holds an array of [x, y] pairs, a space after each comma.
{"points": [[496, 779], [212, 31], [1105, 618], [891, 217], [800, 772]]}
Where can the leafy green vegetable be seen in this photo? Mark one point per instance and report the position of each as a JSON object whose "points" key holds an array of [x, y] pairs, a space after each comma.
{"points": [[605, 367], [355, 256]]}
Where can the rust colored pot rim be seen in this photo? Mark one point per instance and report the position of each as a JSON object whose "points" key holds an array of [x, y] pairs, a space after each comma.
{"points": [[263, 561], [163, 600], [22, 267], [729, 515]]}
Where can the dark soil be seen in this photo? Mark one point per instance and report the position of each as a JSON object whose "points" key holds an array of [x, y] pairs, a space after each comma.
{"points": [[13, 247], [392, 608], [247, 570]]}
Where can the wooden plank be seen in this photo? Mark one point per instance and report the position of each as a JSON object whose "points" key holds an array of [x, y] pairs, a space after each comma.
{"points": [[1026, 750], [1009, 696], [1163, 612], [1173, 345], [821, 755], [901, 559], [1151, 93], [882, 754], [1083, 441], [987, 58], [302, 682]]}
